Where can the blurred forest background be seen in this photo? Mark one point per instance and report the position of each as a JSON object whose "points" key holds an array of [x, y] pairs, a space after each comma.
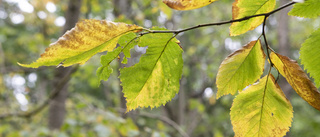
{"points": [[69, 101]]}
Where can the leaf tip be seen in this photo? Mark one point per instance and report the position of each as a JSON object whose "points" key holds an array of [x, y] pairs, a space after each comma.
{"points": [[27, 65], [21, 64]]}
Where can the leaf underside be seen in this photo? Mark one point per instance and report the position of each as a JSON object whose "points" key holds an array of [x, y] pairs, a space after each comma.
{"points": [[155, 79], [297, 78], [262, 110], [307, 9], [86, 39], [244, 8], [187, 4], [241, 68]]}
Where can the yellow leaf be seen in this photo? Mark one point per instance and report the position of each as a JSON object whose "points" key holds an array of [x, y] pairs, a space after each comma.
{"points": [[297, 78], [187, 4], [82, 42], [244, 8], [241, 68], [262, 110]]}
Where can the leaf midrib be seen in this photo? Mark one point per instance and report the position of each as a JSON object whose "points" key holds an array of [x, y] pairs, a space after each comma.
{"points": [[155, 64], [239, 66], [99, 46], [263, 101]]}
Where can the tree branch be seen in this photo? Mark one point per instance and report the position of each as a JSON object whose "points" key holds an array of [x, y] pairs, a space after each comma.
{"points": [[162, 118], [219, 23], [265, 39], [165, 120], [53, 94]]}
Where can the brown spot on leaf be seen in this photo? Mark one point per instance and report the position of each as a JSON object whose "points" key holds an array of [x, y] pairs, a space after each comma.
{"points": [[279, 131], [174, 4], [235, 10]]}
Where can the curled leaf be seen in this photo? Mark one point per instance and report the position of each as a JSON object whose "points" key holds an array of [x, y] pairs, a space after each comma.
{"points": [[187, 4], [79, 44], [297, 78]]}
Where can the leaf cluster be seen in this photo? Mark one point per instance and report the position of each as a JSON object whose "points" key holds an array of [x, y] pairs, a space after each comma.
{"points": [[260, 108]]}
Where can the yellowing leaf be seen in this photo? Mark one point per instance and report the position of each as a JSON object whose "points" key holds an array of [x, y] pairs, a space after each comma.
{"points": [[262, 110], [187, 4], [155, 79], [310, 57], [307, 9], [297, 79], [241, 68], [244, 8], [82, 42]]}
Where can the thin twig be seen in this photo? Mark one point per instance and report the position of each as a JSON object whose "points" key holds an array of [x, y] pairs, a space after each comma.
{"points": [[265, 39], [53, 94], [278, 77], [162, 118], [165, 120], [218, 23]]}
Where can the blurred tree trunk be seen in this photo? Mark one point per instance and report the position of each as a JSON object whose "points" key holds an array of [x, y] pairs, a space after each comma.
{"points": [[122, 7], [2, 59], [57, 109], [2, 67], [284, 44], [284, 41], [181, 105], [283, 30]]}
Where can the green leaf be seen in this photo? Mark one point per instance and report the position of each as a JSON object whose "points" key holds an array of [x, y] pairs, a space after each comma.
{"points": [[262, 110], [155, 79], [126, 43], [296, 77], [244, 8], [307, 9], [241, 68], [309, 55], [82, 42]]}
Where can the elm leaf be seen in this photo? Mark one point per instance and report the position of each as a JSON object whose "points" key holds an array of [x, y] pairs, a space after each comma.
{"points": [[241, 68], [155, 79], [309, 55], [297, 78], [86, 39], [262, 110]]}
